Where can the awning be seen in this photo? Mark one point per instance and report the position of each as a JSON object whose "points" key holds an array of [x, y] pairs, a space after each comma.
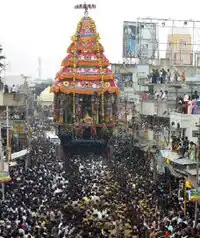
{"points": [[173, 172], [168, 154], [19, 154]]}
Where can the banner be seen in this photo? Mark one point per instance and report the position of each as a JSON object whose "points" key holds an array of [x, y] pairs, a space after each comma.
{"points": [[194, 195], [4, 172], [129, 40], [147, 40], [19, 126], [19, 154], [179, 49], [140, 40]]}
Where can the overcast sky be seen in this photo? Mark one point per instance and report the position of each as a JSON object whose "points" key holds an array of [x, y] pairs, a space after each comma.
{"points": [[43, 28]]}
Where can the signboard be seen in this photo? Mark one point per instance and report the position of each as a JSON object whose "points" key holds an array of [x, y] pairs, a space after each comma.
{"points": [[179, 49], [195, 133], [19, 126], [4, 172], [129, 40], [18, 154], [140, 40], [194, 195], [147, 40]]}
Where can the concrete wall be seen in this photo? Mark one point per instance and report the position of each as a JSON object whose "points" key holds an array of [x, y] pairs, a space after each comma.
{"points": [[12, 99], [161, 109]]}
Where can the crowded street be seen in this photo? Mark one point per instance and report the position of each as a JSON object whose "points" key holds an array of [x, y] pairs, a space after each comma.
{"points": [[90, 196], [98, 139]]}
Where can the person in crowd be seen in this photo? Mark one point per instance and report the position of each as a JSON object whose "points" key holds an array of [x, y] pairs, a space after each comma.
{"points": [[168, 76], [189, 106], [180, 104], [192, 151], [176, 76], [195, 109], [195, 96], [156, 95], [185, 104], [183, 77], [1, 84], [90, 196], [164, 96], [163, 75], [154, 76]]}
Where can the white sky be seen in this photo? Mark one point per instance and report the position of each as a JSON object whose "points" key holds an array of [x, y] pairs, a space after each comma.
{"points": [[33, 28]]}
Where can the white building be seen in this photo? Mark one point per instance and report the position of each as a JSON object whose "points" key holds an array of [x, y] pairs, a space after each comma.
{"points": [[184, 125], [46, 97]]}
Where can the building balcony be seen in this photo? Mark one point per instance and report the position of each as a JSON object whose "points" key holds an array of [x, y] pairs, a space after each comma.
{"points": [[178, 165], [184, 125], [12, 99], [148, 137], [184, 120], [158, 108]]}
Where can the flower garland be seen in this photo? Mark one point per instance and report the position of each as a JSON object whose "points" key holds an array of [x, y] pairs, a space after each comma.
{"points": [[101, 72], [100, 66], [74, 82]]}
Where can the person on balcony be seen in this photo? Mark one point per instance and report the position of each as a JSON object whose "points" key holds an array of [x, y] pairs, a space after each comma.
{"points": [[180, 105], [13, 89], [164, 96], [1, 84], [194, 106], [192, 151], [6, 90], [185, 104], [154, 77], [169, 76], [183, 77], [195, 96], [189, 106]]}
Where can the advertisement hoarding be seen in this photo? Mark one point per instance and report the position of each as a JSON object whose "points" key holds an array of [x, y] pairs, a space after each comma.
{"points": [[19, 126], [179, 49], [147, 40], [129, 40], [140, 40]]}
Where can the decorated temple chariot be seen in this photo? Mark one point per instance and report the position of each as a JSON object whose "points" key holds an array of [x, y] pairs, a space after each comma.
{"points": [[85, 92]]}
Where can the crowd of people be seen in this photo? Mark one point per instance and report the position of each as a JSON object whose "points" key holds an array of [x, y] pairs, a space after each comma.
{"points": [[189, 105], [91, 196], [166, 76], [161, 95], [185, 147]]}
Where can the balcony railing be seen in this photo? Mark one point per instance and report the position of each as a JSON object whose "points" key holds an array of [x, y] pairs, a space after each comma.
{"points": [[12, 99], [158, 108]]}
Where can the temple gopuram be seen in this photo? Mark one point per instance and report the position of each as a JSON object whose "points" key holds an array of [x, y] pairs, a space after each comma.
{"points": [[85, 92]]}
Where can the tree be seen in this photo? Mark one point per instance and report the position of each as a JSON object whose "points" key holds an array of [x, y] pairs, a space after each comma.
{"points": [[2, 58]]}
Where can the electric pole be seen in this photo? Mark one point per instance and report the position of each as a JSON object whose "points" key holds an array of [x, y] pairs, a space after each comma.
{"points": [[197, 177], [40, 68], [2, 165]]}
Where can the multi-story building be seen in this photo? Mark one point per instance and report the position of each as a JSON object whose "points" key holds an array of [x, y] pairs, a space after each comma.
{"points": [[13, 119], [166, 122]]}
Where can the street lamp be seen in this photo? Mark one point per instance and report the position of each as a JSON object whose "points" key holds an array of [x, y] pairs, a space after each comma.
{"points": [[197, 176], [126, 113]]}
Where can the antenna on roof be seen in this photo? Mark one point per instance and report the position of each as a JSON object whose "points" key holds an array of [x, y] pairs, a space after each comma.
{"points": [[86, 7]]}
